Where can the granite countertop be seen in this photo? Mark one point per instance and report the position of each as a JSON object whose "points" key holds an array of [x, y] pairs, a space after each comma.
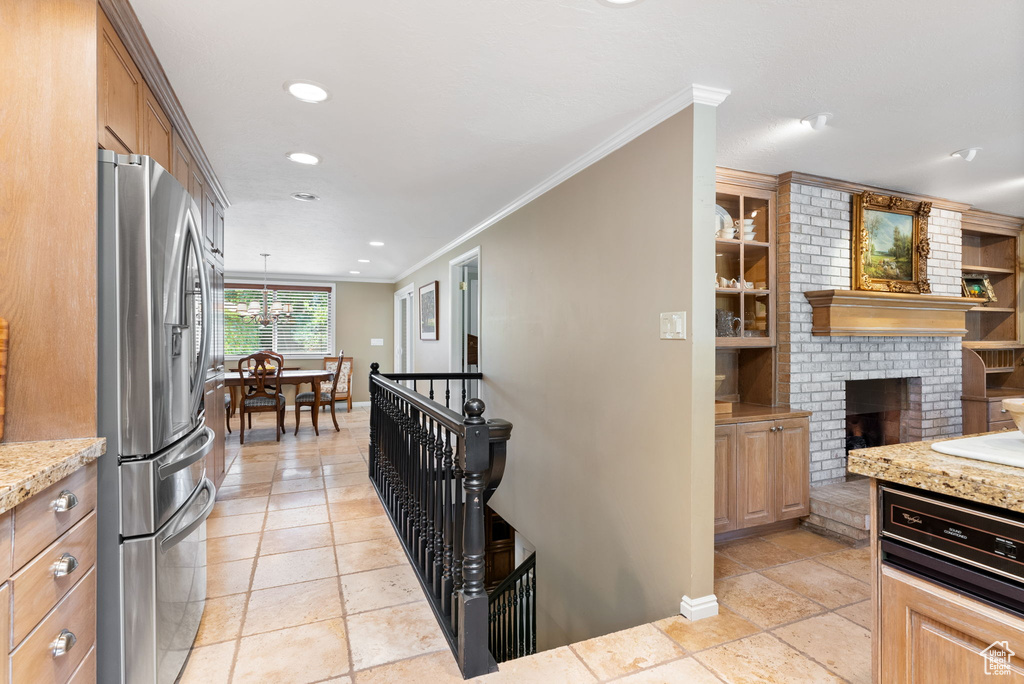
{"points": [[27, 468], [916, 465]]}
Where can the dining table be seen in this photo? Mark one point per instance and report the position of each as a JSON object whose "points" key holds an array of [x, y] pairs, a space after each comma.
{"points": [[288, 376]]}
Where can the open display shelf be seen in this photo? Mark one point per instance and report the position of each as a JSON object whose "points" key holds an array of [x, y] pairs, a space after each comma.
{"points": [[744, 266], [745, 316], [992, 350]]}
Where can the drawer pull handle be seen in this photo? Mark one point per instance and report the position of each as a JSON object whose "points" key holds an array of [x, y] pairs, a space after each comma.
{"points": [[1002, 410], [65, 502], [65, 565], [64, 642]]}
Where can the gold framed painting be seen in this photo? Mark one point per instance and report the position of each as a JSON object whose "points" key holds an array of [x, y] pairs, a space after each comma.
{"points": [[890, 243], [978, 285]]}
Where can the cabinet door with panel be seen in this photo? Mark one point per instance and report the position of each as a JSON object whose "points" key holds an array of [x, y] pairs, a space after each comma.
{"points": [[931, 634], [156, 130], [755, 495], [725, 478], [209, 219], [792, 468], [217, 424], [119, 92], [181, 160], [218, 230]]}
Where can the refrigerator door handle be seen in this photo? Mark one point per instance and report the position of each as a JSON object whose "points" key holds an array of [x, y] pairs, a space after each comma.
{"points": [[171, 467], [183, 532], [204, 290]]}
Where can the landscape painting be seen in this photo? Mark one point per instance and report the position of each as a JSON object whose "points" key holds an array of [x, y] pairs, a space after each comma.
{"points": [[890, 245]]}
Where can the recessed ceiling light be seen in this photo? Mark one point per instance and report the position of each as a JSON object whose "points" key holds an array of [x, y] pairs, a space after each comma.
{"points": [[967, 154], [354, 272], [363, 261], [307, 91], [817, 121], [304, 158], [618, 3], [305, 196], [376, 244]]}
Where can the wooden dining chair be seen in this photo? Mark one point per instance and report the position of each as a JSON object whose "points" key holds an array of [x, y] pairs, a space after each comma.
{"points": [[329, 391], [264, 396]]}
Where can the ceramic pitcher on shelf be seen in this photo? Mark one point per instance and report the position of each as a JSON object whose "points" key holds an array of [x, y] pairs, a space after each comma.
{"points": [[727, 324]]}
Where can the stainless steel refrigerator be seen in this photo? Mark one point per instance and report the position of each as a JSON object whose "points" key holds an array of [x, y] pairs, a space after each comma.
{"points": [[154, 496]]}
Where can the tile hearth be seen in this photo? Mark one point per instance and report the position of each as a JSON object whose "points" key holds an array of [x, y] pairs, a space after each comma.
{"points": [[308, 584]]}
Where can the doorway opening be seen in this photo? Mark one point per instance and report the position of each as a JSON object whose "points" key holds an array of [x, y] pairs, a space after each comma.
{"points": [[465, 348], [404, 327]]}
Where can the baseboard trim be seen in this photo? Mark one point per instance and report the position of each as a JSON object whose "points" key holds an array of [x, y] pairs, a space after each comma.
{"points": [[699, 608]]}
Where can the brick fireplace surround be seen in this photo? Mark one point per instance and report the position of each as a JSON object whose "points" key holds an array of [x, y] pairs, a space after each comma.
{"points": [[814, 252]]}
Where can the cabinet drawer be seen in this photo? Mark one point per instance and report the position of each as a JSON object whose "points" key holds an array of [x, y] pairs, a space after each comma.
{"points": [[33, 661], [86, 672], [36, 522], [996, 412], [1002, 425], [35, 589]]}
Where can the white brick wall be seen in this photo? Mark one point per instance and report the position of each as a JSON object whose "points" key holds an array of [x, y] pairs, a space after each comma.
{"points": [[815, 254]]}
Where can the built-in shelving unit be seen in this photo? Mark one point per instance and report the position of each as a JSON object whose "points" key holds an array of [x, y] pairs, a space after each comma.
{"points": [[993, 352]]}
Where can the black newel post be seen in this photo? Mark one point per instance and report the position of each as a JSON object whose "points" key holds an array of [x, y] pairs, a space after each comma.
{"points": [[473, 598], [374, 370]]}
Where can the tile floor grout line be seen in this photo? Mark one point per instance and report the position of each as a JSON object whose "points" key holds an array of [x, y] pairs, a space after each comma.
{"points": [[808, 655], [341, 591], [248, 595], [583, 662]]}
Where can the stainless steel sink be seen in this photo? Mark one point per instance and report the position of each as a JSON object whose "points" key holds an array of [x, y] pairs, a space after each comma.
{"points": [[1005, 448]]}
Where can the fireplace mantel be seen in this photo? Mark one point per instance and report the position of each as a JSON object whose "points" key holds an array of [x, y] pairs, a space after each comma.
{"points": [[865, 313]]}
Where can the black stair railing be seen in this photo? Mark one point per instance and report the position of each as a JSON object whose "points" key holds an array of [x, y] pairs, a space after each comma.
{"points": [[513, 613], [431, 384], [434, 470]]}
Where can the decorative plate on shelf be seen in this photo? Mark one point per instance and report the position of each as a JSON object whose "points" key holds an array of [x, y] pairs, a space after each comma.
{"points": [[723, 219]]}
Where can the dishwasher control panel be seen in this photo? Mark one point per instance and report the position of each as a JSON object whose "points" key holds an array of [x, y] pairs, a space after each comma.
{"points": [[981, 536]]}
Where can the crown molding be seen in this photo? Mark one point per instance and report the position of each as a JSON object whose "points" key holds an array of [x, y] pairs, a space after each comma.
{"points": [[124, 20], [302, 277], [748, 179], [694, 94], [707, 95], [988, 222], [854, 188]]}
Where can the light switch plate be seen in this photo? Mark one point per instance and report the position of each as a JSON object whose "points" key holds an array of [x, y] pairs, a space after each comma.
{"points": [[673, 325], [376, 341]]}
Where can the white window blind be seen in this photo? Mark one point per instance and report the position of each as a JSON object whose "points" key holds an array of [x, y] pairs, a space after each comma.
{"points": [[309, 331]]}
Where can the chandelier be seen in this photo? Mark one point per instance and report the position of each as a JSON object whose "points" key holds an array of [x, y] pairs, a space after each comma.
{"points": [[260, 312]]}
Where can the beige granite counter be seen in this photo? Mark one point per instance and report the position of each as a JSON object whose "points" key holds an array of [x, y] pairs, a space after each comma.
{"points": [[916, 465], [27, 468]]}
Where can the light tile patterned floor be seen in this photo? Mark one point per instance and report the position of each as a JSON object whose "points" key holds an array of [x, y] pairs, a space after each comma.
{"points": [[308, 583]]}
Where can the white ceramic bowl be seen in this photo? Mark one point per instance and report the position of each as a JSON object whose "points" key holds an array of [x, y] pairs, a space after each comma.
{"points": [[1015, 407]]}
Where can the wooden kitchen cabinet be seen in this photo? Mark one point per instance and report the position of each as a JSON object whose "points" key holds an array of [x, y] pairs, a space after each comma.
{"points": [[181, 160], [119, 90], [156, 130], [761, 473], [792, 468], [756, 473], [937, 635], [725, 478]]}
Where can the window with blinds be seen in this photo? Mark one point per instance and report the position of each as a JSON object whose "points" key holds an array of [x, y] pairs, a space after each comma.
{"points": [[309, 330]]}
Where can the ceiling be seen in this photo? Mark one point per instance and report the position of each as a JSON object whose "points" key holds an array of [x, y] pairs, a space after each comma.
{"points": [[443, 113]]}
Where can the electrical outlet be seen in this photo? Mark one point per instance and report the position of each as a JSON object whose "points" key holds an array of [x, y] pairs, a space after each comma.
{"points": [[376, 341], [673, 325]]}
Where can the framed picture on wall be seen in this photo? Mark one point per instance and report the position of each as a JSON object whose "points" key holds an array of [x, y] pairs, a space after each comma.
{"points": [[428, 311], [890, 243]]}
